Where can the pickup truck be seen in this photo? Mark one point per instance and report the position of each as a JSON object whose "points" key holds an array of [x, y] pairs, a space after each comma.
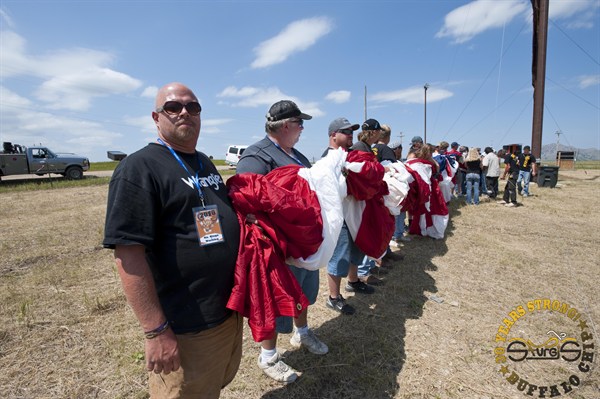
{"points": [[19, 160]]}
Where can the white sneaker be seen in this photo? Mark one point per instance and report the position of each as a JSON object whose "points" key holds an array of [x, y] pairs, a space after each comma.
{"points": [[393, 243], [510, 205], [501, 202], [278, 370], [310, 342]]}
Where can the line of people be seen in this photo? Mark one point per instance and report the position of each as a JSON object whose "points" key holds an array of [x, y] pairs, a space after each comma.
{"points": [[195, 255]]}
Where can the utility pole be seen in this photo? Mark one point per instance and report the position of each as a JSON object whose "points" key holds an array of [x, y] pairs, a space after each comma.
{"points": [[558, 133], [365, 102], [425, 124], [540, 42]]}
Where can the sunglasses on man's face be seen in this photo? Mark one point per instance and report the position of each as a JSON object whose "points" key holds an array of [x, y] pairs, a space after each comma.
{"points": [[175, 107], [300, 122], [348, 132]]}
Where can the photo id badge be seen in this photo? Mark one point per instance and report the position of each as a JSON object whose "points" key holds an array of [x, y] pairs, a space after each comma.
{"points": [[208, 225]]}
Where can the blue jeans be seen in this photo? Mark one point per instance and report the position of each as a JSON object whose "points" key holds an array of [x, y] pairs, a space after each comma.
{"points": [[399, 231], [345, 253], [482, 183], [525, 177], [473, 181], [309, 282], [365, 266]]}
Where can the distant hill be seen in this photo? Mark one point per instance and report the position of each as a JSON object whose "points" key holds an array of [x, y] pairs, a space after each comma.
{"points": [[582, 154]]}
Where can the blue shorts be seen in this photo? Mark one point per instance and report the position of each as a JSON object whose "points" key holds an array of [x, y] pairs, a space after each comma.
{"points": [[345, 253], [309, 282]]}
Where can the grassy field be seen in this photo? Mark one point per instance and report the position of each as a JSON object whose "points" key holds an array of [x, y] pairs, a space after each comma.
{"points": [[111, 165], [428, 332]]}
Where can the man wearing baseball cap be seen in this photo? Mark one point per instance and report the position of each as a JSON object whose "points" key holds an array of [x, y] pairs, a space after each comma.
{"points": [[285, 123], [341, 133]]}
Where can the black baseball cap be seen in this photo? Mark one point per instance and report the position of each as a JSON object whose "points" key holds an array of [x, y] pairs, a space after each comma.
{"points": [[285, 109], [371, 124]]}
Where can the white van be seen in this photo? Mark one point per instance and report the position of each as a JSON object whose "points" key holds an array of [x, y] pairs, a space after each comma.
{"points": [[234, 153]]}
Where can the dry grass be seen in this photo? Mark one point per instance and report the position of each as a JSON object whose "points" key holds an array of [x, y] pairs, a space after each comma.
{"points": [[66, 331]]}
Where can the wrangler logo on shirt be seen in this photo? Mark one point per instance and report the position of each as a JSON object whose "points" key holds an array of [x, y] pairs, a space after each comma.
{"points": [[212, 180]]}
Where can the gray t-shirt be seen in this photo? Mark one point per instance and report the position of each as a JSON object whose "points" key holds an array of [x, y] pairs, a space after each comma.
{"points": [[264, 156]]}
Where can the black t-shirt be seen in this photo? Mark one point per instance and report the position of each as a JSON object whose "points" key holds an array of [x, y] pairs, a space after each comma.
{"points": [[150, 202], [525, 161], [511, 161], [474, 166], [361, 146], [384, 153]]}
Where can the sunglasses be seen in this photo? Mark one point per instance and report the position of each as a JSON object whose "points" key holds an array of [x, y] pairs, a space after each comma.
{"points": [[175, 107], [349, 132], [300, 122]]}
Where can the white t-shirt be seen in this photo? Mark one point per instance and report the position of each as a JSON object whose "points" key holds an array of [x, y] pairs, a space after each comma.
{"points": [[492, 162]]}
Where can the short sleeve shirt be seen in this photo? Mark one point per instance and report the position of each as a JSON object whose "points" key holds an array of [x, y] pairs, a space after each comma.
{"points": [[150, 203]]}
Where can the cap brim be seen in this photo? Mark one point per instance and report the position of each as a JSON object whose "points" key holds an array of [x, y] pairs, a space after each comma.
{"points": [[304, 116]]}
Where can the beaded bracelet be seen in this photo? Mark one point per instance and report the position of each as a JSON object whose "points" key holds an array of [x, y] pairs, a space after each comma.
{"points": [[157, 331]]}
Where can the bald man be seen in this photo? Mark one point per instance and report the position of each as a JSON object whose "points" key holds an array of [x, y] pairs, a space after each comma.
{"points": [[175, 238]]}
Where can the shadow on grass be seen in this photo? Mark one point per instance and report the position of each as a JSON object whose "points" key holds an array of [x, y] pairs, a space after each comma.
{"points": [[367, 349]]}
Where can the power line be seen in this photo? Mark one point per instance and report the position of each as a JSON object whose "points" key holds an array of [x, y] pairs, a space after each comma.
{"points": [[575, 43], [486, 79], [516, 119], [494, 110], [573, 93]]}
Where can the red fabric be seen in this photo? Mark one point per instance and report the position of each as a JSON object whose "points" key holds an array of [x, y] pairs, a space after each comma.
{"points": [[368, 183], [420, 191], [425, 193], [377, 224], [289, 214], [437, 203]]}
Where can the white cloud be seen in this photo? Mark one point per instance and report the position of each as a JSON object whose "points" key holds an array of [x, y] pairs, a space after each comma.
{"points": [[466, 22], [568, 8], [588, 81], [71, 79], [339, 97], [297, 36], [77, 90], [411, 95], [144, 123], [213, 126], [6, 18], [150, 92], [12, 99], [252, 97]]}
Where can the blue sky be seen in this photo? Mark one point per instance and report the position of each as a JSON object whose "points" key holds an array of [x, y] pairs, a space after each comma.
{"points": [[80, 76]]}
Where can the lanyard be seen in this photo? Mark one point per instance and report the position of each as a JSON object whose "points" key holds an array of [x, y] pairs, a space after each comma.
{"points": [[294, 157], [196, 180]]}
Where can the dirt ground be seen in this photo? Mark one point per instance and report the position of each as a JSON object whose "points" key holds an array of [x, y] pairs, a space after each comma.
{"points": [[431, 331]]}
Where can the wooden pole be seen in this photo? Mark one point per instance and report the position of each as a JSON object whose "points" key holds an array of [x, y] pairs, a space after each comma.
{"points": [[365, 102], [425, 116], [540, 9]]}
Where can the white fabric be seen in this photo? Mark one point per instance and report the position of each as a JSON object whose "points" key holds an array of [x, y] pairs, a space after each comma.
{"points": [[446, 184], [398, 180], [424, 170], [438, 227], [439, 222], [326, 179]]}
